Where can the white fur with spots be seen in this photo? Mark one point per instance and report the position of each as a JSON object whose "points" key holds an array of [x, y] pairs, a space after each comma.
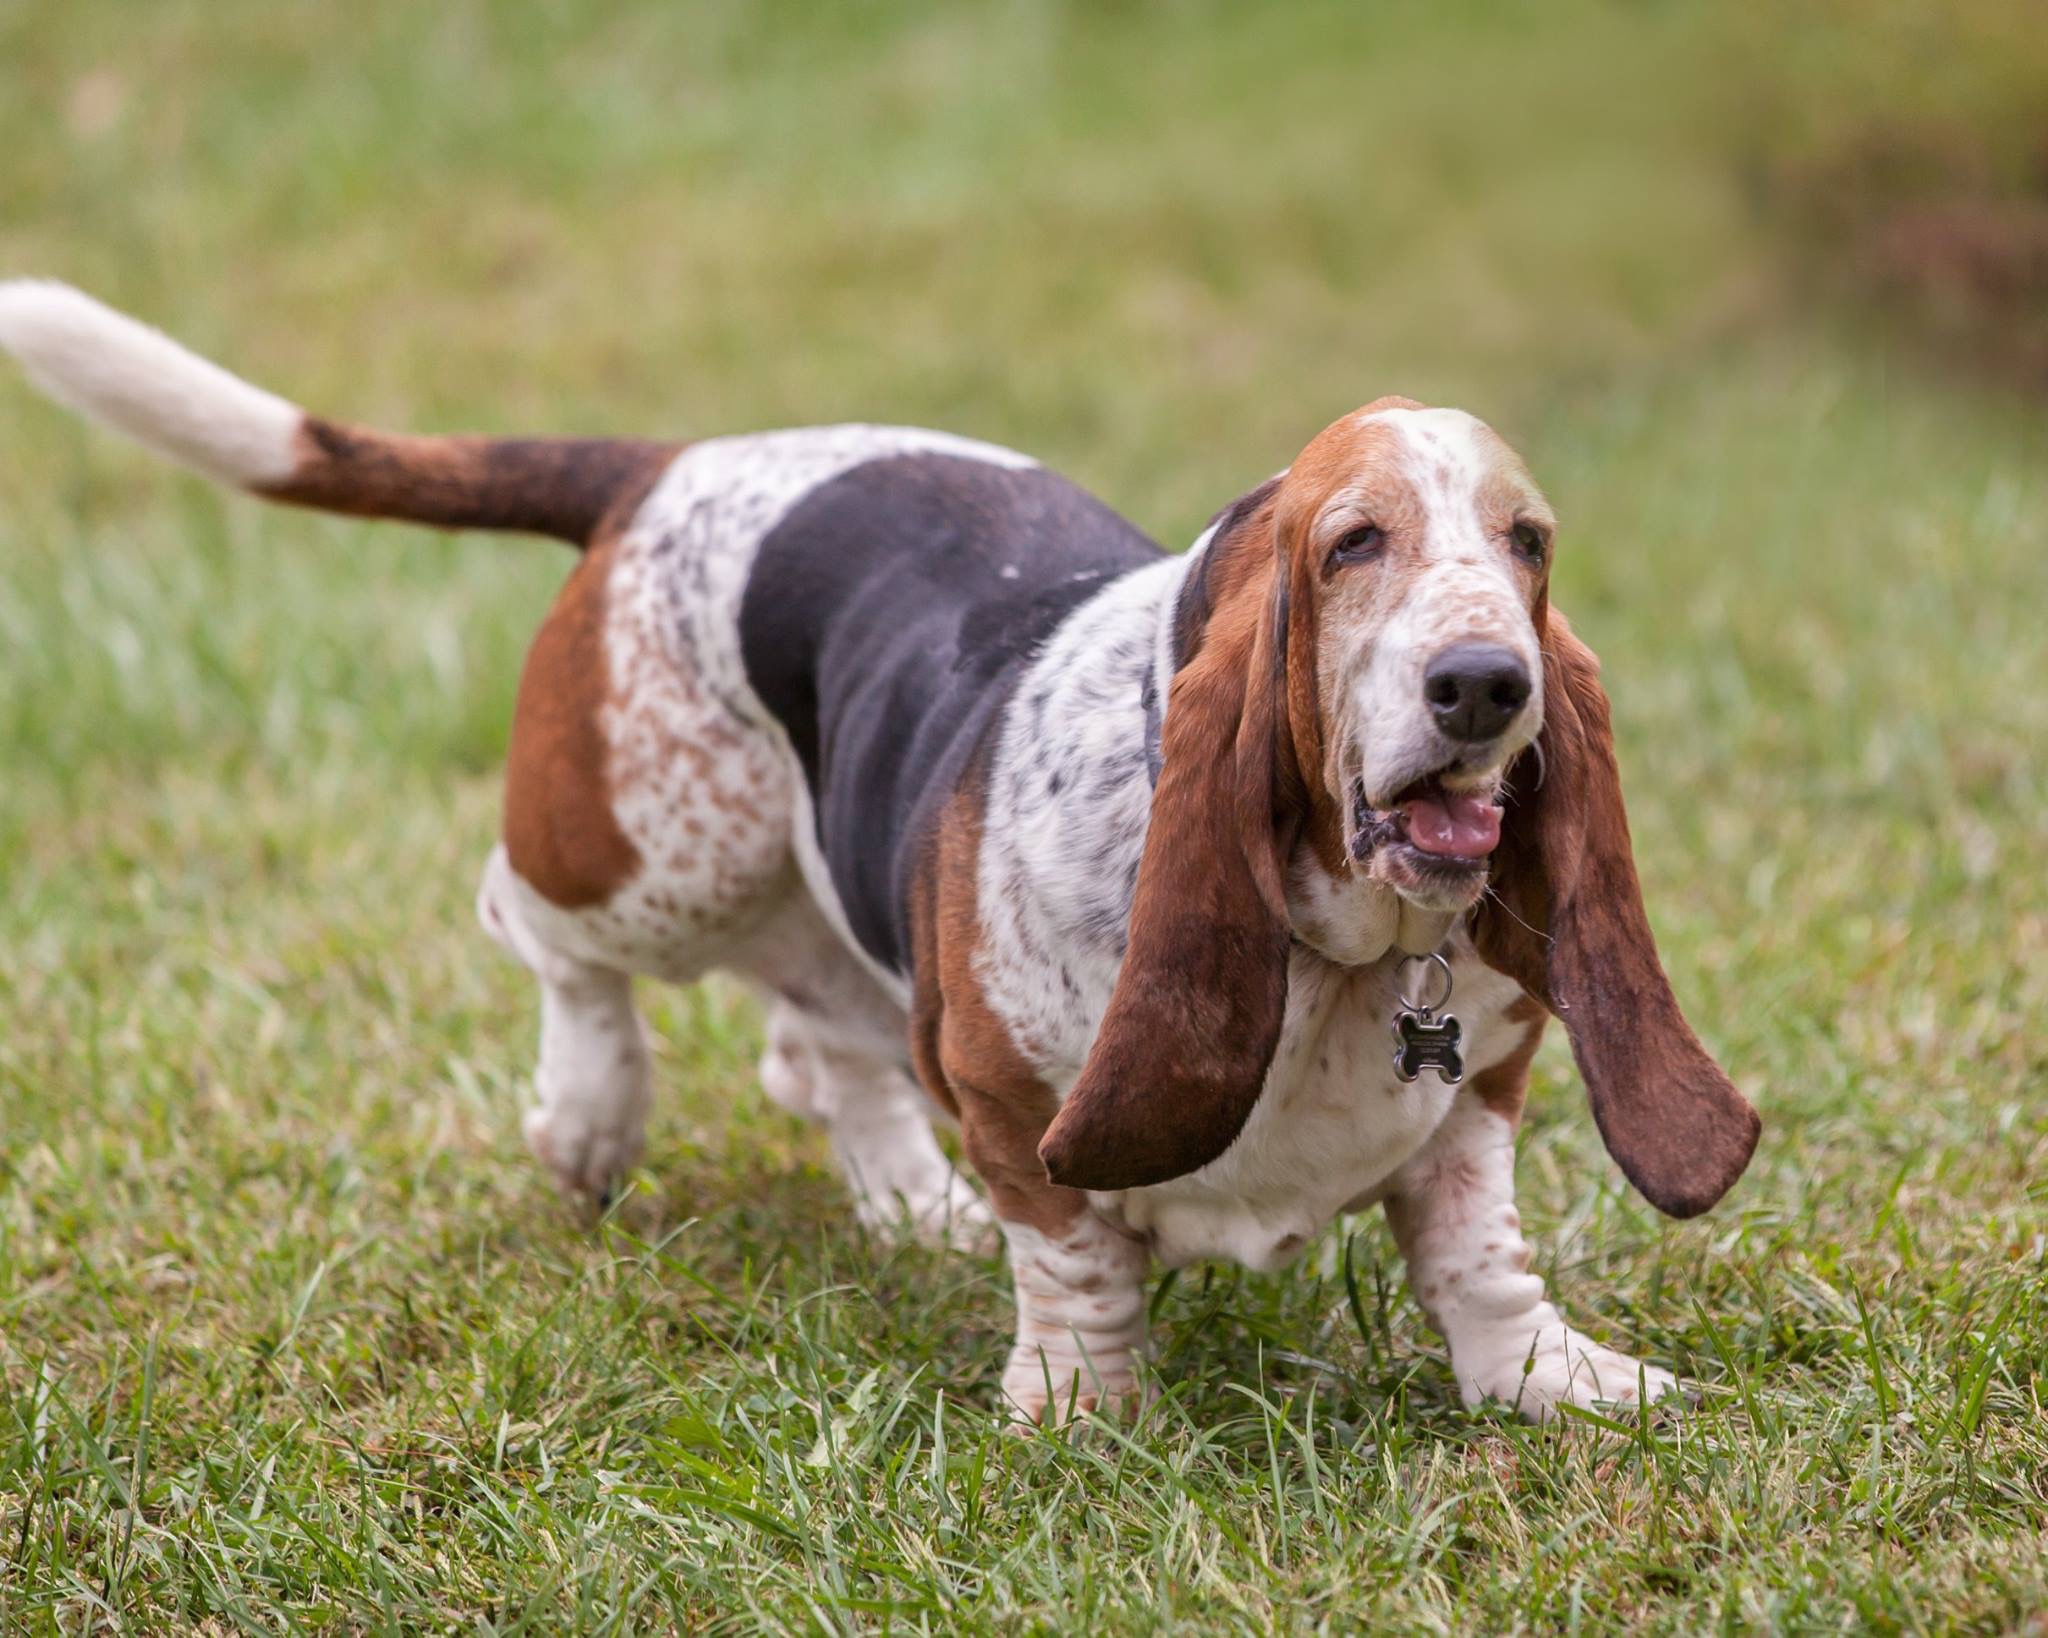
{"points": [[1080, 1319]]}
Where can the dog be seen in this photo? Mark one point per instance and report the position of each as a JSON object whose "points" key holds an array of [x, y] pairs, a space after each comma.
{"points": [[1162, 876]]}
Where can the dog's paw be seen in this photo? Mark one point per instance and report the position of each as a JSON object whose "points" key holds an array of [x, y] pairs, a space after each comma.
{"points": [[1560, 1366], [1040, 1390], [588, 1157]]}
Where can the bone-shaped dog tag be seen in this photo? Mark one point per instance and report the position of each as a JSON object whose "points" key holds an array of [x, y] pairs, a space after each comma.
{"points": [[1425, 1038], [1425, 1042]]}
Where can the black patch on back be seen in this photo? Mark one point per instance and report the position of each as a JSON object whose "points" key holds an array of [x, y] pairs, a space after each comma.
{"points": [[886, 619]]}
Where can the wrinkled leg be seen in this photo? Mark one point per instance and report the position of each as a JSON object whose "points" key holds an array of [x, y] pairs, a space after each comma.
{"points": [[1080, 1318], [1080, 1280], [1452, 1209], [880, 1126]]}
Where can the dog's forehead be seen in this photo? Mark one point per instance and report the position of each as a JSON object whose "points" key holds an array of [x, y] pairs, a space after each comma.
{"points": [[1435, 455], [1449, 450], [1448, 439]]}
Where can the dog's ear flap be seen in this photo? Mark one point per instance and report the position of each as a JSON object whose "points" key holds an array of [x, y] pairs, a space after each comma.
{"points": [[1193, 1021], [1566, 921]]}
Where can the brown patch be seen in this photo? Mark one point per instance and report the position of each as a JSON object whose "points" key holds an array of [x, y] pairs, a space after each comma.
{"points": [[935, 895], [564, 487], [561, 835], [1505, 1087], [1353, 454], [962, 1051], [1567, 923], [1182, 1051]]}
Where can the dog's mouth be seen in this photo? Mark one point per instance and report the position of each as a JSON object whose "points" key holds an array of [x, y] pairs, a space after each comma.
{"points": [[1428, 828]]}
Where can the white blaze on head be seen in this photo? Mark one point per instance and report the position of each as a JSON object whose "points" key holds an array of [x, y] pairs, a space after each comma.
{"points": [[1447, 491]]}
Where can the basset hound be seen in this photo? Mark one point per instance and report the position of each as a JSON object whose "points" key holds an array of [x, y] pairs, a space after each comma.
{"points": [[1120, 860]]}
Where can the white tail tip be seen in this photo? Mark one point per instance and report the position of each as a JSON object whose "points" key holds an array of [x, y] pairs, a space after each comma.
{"points": [[112, 368]]}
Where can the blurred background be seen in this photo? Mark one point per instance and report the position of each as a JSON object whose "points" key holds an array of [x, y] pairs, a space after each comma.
{"points": [[1760, 292], [1762, 295]]}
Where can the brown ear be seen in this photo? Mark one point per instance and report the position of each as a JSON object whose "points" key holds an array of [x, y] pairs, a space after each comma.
{"points": [[1191, 1026], [1566, 921]]}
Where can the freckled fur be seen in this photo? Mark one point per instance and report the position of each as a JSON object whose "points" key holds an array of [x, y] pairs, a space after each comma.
{"points": [[562, 832]]}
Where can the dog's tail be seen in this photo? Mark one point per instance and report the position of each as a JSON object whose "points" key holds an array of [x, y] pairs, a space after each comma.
{"points": [[137, 380]]}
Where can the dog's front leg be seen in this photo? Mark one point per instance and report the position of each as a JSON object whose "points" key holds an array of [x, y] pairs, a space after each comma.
{"points": [[1452, 1209], [1080, 1280], [1080, 1317]]}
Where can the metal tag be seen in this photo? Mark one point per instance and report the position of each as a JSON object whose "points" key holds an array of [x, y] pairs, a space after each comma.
{"points": [[1425, 1039], [1424, 1042]]}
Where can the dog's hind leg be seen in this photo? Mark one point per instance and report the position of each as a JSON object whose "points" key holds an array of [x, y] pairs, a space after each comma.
{"points": [[835, 1054], [880, 1124], [592, 1084], [646, 834]]}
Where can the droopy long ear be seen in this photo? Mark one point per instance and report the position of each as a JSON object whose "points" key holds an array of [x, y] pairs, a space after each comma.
{"points": [[1673, 1122], [1192, 1023]]}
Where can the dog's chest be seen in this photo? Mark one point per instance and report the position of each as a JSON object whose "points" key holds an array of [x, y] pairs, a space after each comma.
{"points": [[1333, 1125]]}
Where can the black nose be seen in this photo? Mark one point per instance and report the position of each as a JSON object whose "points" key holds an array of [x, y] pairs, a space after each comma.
{"points": [[1475, 689]]}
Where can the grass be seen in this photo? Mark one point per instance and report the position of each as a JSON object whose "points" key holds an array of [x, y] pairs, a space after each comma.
{"points": [[293, 1335]]}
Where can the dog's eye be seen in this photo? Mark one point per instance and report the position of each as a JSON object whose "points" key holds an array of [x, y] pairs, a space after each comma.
{"points": [[1357, 545], [1529, 542]]}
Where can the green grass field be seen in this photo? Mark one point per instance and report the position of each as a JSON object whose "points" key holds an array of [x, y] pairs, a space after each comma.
{"points": [[292, 1333]]}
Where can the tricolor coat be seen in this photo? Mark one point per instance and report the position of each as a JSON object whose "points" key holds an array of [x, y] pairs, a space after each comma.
{"points": [[1115, 858]]}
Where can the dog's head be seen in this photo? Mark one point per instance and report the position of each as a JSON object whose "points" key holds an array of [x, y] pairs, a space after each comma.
{"points": [[1370, 678], [1420, 548]]}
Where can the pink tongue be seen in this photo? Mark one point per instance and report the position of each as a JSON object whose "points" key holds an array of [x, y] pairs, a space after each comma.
{"points": [[1459, 827]]}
